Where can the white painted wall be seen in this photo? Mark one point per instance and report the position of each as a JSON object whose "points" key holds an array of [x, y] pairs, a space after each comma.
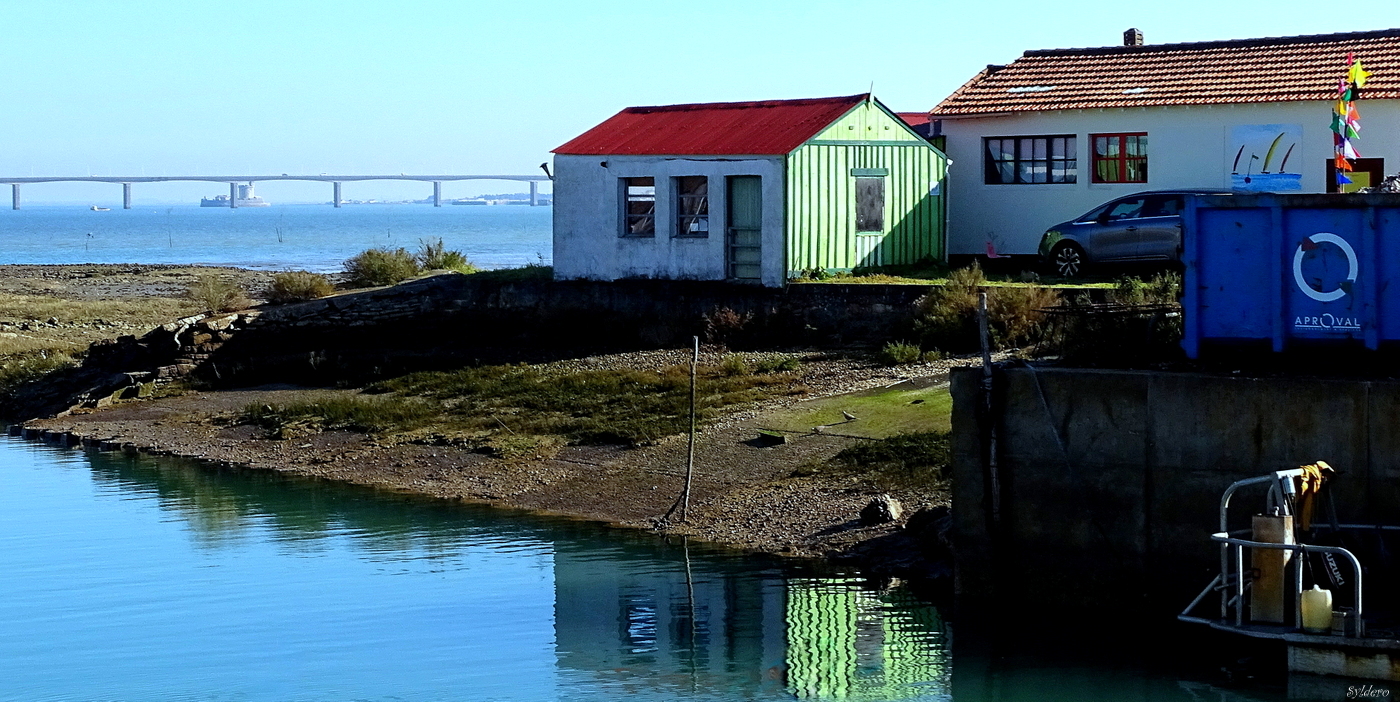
{"points": [[1186, 149], [588, 218]]}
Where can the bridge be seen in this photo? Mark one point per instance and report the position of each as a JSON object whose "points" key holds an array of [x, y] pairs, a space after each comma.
{"points": [[233, 181]]}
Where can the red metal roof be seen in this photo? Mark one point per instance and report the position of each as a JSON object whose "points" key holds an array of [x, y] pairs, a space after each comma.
{"points": [[914, 119], [766, 128], [1277, 69]]}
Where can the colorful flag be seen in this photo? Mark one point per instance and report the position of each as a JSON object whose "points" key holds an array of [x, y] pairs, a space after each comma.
{"points": [[1346, 121]]}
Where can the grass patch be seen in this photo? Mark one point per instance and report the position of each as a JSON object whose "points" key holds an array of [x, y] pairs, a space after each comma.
{"points": [[533, 272], [903, 460], [151, 310], [594, 407], [879, 413], [361, 414]]}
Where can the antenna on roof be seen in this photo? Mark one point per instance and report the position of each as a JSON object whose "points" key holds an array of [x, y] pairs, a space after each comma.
{"points": [[870, 94]]}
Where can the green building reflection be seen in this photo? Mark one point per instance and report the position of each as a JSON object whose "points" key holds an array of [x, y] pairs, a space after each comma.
{"points": [[850, 643], [677, 622]]}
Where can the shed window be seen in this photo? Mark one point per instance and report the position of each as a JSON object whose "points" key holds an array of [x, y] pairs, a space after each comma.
{"points": [[1034, 159], [870, 204], [692, 206], [1120, 158], [640, 213]]}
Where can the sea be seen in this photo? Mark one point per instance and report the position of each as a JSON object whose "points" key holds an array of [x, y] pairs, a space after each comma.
{"points": [[315, 238]]}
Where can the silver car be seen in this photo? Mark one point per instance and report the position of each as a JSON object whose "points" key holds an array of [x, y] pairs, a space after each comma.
{"points": [[1141, 227]]}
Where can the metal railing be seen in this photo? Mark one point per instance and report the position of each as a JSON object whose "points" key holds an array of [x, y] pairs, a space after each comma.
{"points": [[1232, 582]]}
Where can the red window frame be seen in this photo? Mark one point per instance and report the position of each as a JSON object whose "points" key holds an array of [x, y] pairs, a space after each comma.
{"points": [[1118, 158]]}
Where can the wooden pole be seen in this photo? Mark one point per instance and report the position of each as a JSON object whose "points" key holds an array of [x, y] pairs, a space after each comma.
{"points": [[987, 407], [690, 455]]}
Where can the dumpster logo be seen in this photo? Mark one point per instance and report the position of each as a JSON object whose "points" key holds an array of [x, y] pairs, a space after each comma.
{"points": [[1312, 243]]}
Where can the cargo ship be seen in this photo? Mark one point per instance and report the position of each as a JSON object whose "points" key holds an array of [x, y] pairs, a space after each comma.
{"points": [[246, 198]]}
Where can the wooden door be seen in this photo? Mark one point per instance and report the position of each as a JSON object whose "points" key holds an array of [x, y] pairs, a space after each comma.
{"points": [[745, 228]]}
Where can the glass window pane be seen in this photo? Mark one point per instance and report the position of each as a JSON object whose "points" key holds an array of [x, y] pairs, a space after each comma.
{"points": [[1040, 149], [1069, 148], [1007, 171], [1024, 149]]}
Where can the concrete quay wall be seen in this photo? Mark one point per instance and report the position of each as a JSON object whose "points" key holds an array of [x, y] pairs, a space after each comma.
{"points": [[1110, 481]]}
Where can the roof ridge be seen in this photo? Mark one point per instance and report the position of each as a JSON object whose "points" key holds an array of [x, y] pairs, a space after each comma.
{"points": [[1218, 44], [643, 109]]}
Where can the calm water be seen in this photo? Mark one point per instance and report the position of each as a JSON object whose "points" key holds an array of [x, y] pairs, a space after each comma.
{"points": [[310, 237], [128, 578]]}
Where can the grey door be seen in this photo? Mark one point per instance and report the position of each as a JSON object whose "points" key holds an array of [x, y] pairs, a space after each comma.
{"points": [[744, 228], [1159, 230], [1115, 235]]}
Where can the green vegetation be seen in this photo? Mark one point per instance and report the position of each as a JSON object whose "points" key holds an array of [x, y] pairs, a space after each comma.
{"points": [[381, 266], [899, 353], [298, 286], [510, 410], [879, 413], [433, 255], [362, 414], [734, 364], [936, 273], [947, 317], [778, 364], [900, 460], [217, 294], [531, 272], [17, 369], [1146, 329]]}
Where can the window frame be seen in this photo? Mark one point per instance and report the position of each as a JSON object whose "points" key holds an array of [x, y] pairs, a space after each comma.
{"points": [[681, 216], [992, 173], [625, 185], [1122, 160]]}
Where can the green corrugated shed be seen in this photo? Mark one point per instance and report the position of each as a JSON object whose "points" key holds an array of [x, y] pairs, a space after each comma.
{"points": [[822, 177]]}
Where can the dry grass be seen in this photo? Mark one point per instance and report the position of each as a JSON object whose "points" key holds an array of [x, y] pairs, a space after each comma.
{"points": [[137, 311]]}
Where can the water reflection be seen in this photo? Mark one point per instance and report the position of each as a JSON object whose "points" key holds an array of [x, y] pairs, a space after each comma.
{"points": [[631, 614], [141, 578]]}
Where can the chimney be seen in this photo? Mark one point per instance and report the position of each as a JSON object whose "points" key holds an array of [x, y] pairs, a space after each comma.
{"points": [[1132, 37]]}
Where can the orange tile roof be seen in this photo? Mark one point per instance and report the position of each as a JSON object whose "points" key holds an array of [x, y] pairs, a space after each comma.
{"points": [[1279, 69]]}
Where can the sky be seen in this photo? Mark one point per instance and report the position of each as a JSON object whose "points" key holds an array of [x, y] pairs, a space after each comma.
{"points": [[165, 88]]}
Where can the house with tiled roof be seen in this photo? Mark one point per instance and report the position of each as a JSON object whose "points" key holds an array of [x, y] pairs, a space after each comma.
{"points": [[746, 192], [1055, 133]]}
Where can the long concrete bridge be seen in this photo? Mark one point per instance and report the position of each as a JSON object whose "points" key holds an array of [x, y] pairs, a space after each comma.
{"points": [[233, 181]]}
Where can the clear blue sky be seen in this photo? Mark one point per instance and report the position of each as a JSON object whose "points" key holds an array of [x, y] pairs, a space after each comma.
{"points": [[434, 87]]}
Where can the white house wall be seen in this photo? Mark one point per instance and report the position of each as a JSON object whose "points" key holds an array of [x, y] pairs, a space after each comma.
{"points": [[1186, 149], [588, 211]]}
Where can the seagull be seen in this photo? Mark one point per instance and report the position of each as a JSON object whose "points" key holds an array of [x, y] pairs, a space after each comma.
{"points": [[849, 417]]}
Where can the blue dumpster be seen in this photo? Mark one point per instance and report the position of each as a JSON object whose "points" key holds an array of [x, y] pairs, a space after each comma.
{"points": [[1291, 270]]}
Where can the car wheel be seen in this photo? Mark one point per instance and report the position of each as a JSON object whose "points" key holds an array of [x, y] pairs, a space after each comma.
{"points": [[1067, 259]]}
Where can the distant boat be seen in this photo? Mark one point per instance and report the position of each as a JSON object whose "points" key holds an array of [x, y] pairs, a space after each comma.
{"points": [[246, 198], [95, 208]]}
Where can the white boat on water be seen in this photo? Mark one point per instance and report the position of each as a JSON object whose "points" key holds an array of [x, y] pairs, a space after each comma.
{"points": [[95, 208]]}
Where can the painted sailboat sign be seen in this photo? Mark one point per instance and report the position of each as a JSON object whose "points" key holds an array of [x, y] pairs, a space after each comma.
{"points": [[1263, 158]]}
